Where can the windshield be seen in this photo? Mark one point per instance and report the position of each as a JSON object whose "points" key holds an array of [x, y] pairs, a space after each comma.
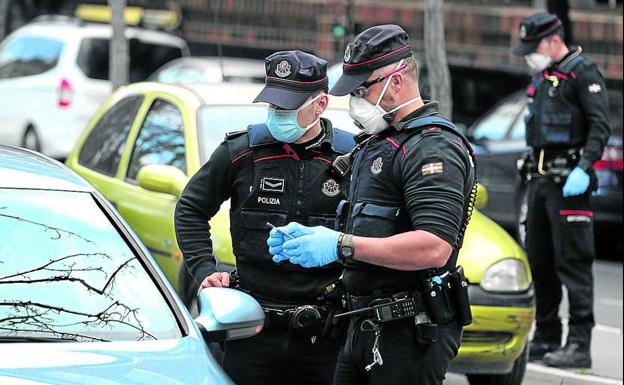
{"points": [[495, 125], [65, 272], [216, 121]]}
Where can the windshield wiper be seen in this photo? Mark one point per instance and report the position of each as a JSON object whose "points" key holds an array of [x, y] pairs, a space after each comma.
{"points": [[4, 339]]}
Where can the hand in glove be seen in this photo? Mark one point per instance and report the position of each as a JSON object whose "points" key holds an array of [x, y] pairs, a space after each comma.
{"points": [[312, 246], [576, 183], [277, 238]]}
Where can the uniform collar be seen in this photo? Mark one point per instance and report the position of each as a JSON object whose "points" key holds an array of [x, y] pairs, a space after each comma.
{"points": [[326, 137], [428, 109], [574, 52]]}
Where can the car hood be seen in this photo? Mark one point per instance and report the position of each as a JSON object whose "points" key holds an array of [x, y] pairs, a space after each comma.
{"points": [[485, 244], [185, 361]]}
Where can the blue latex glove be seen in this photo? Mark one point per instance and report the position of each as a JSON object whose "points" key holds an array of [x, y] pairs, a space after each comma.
{"points": [[576, 183], [311, 246], [277, 238]]}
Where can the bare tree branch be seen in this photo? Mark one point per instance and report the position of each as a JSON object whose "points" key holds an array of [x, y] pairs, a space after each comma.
{"points": [[69, 278], [55, 229]]}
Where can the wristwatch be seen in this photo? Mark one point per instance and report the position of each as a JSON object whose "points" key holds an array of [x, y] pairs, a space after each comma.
{"points": [[345, 246]]}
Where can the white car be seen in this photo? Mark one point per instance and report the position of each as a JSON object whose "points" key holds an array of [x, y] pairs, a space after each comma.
{"points": [[54, 75], [209, 69]]}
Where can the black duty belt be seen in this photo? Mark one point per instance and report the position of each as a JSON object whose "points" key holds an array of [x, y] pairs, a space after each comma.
{"points": [[279, 316]]}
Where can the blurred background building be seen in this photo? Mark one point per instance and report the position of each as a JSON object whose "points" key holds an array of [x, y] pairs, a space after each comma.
{"points": [[480, 34]]}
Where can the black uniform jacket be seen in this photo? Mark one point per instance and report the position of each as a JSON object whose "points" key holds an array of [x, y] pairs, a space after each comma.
{"points": [[404, 181], [267, 182], [569, 108]]}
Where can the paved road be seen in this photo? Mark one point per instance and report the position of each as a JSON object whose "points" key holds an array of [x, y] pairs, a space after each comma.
{"points": [[607, 341]]}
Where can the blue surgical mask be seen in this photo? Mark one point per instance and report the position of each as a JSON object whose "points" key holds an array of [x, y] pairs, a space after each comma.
{"points": [[283, 124]]}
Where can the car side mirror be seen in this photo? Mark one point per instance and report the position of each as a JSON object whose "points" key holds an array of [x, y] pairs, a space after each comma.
{"points": [[482, 196], [162, 178], [227, 314]]}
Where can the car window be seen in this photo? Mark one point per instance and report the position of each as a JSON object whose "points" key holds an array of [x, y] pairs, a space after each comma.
{"points": [[494, 126], [161, 139], [518, 131], [145, 58], [216, 121], [27, 56], [185, 73], [66, 272], [105, 144]]}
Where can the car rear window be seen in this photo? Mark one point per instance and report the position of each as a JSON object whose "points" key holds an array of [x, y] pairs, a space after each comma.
{"points": [[145, 58], [67, 272], [26, 56]]}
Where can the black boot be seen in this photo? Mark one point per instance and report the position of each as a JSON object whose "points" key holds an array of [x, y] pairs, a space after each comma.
{"points": [[539, 347], [572, 355]]}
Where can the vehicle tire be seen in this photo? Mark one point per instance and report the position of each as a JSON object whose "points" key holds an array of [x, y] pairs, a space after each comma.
{"points": [[514, 377], [31, 139], [521, 218]]}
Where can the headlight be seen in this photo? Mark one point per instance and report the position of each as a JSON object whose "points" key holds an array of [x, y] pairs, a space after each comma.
{"points": [[506, 275]]}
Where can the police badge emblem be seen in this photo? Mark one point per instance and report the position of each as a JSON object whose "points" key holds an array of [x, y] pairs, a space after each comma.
{"points": [[347, 54], [376, 166], [523, 32], [330, 188], [283, 69]]}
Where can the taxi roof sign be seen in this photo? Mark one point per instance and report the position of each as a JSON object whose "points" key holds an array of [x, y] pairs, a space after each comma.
{"points": [[135, 16]]}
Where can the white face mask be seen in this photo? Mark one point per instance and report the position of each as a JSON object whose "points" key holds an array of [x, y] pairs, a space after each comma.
{"points": [[537, 62], [371, 118]]}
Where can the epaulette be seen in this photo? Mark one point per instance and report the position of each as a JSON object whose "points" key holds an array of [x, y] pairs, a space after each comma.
{"points": [[259, 135], [343, 141], [420, 124], [234, 134]]}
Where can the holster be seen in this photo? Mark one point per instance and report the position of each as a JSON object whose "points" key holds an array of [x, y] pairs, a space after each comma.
{"points": [[459, 294]]}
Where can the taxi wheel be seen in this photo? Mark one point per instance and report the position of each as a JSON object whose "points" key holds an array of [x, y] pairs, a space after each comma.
{"points": [[514, 377], [31, 139]]}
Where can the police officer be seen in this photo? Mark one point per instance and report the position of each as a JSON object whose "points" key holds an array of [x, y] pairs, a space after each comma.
{"points": [[275, 172], [567, 129], [409, 202]]}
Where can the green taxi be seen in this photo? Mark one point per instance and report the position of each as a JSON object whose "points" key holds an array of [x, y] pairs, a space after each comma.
{"points": [[145, 142]]}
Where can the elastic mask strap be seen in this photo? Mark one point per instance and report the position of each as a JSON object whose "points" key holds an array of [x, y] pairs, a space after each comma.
{"points": [[404, 104], [308, 102], [383, 92], [306, 128]]}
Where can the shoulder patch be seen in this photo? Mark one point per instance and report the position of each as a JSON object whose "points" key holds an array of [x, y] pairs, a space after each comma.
{"points": [[432, 168], [594, 88]]}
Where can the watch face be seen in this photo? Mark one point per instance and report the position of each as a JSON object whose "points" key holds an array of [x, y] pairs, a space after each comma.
{"points": [[347, 251]]}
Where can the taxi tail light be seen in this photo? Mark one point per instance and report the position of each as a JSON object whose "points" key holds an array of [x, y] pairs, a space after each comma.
{"points": [[65, 93], [611, 159]]}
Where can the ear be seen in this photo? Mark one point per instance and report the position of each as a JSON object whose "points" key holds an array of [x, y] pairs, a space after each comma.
{"points": [[397, 82], [322, 103]]}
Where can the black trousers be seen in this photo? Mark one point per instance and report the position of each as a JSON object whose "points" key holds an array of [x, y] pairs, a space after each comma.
{"points": [[560, 247], [406, 361], [279, 357]]}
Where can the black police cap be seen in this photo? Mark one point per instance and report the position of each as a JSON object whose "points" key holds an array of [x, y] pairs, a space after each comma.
{"points": [[374, 48], [291, 78], [533, 29]]}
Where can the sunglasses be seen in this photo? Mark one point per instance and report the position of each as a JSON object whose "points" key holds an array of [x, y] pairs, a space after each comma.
{"points": [[362, 90]]}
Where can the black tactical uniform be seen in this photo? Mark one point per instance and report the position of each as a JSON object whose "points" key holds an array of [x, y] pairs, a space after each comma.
{"points": [[276, 182], [566, 127], [415, 175]]}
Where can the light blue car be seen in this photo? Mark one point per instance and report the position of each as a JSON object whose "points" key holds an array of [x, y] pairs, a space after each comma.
{"points": [[83, 302]]}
